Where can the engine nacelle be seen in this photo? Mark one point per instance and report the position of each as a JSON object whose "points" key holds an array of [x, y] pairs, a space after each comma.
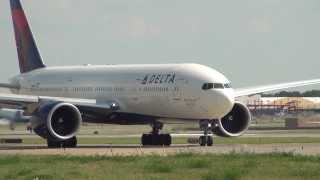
{"points": [[235, 123], [59, 121]]}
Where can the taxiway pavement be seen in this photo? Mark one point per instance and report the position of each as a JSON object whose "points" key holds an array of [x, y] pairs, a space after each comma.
{"points": [[125, 149], [129, 150]]}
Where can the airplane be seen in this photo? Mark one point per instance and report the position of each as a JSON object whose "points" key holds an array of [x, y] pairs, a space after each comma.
{"points": [[12, 116], [59, 99]]}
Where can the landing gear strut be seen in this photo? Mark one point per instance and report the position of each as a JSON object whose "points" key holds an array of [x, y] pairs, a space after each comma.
{"points": [[206, 139], [69, 143], [154, 137]]}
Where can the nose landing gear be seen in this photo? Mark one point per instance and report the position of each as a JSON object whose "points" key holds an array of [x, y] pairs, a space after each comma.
{"points": [[206, 139], [154, 137]]}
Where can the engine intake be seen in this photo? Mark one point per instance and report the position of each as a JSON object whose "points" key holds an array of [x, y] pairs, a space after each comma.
{"points": [[59, 121], [236, 122], [64, 121]]}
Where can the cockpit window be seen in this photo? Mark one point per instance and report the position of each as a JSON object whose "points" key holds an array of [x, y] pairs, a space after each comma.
{"points": [[207, 86], [218, 86], [227, 85]]}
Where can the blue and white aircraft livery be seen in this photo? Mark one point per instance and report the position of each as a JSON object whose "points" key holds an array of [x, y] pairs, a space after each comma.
{"points": [[58, 99]]}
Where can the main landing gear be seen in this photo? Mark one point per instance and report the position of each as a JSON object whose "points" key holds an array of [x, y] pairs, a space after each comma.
{"points": [[154, 137], [69, 143], [206, 139]]}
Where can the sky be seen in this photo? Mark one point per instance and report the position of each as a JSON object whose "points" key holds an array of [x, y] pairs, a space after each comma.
{"points": [[252, 42]]}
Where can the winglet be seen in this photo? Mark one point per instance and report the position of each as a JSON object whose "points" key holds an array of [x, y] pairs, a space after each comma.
{"points": [[28, 54]]}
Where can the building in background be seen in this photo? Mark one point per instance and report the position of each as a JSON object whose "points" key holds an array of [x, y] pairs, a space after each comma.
{"points": [[292, 112]]}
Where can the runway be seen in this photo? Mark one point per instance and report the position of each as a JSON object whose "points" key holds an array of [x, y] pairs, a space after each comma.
{"points": [[310, 148], [250, 133], [130, 150]]}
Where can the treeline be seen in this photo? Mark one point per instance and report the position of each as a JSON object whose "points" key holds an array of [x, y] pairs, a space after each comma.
{"points": [[312, 93]]}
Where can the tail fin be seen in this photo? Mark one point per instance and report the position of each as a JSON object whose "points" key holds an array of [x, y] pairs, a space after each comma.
{"points": [[28, 54]]}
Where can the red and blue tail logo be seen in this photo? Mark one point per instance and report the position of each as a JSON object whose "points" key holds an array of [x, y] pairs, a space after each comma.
{"points": [[28, 54]]}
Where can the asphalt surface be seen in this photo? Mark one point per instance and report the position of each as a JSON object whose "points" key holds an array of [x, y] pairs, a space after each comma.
{"points": [[250, 133], [125, 149]]}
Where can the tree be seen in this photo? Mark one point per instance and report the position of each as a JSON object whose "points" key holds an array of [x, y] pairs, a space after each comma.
{"points": [[312, 93]]}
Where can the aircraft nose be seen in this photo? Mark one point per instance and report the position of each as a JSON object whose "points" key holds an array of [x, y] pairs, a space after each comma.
{"points": [[225, 102]]}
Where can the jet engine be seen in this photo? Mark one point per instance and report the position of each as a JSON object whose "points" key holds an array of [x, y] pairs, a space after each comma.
{"points": [[58, 121], [235, 123]]}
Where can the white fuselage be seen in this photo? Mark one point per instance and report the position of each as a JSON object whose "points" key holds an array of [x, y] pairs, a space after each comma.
{"points": [[168, 90]]}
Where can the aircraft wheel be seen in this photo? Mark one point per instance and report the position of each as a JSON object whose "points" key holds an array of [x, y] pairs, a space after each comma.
{"points": [[205, 140], [166, 139], [169, 140], [70, 143], [209, 141], [156, 139], [53, 144], [146, 139], [202, 140]]}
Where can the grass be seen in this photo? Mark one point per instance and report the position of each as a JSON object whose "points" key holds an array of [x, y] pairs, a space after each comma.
{"points": [[183, 140], [179, 166]]}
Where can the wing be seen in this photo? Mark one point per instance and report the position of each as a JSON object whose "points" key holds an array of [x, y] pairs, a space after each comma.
{"points": [[267, 88], [27, 102], [9, 86]]}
